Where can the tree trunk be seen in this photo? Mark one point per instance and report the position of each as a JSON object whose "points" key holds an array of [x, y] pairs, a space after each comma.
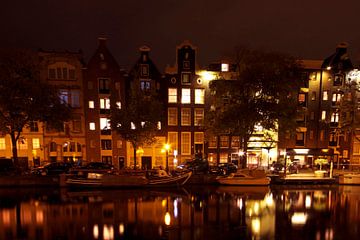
{"points": [[14, 149], [245, 147]]}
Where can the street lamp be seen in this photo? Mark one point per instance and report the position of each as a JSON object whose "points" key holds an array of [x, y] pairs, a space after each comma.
{"points": [[167, 148]]}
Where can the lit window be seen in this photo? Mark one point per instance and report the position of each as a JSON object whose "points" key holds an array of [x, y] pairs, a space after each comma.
{"points": [[235, 141], [185, 116], [172, 117], [185, 95], [212, 142], [91, 104], [172, 95], [224, 141], [64, 96], [36, 143], [199, 137], [185, 143], [301, 97], [335, 117], [145, 85], [326, 95], [224, 67], [118, 104], [22, 144], [199, 96], [104, 103], [159, 125], [173, 139], [132, 126], [336, 97], [2, 144], [104, 123], [323, 115], [92, 126], [199, 117]]}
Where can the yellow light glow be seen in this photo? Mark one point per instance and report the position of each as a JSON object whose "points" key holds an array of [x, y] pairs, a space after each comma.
{"points": [[299, 218], [108, 232], [96, 231], [269, 200], [167, 219], [255, 226], [256, 208], [121, 228], [167, 146], [328, 68], [207, 75], [308, 201]]}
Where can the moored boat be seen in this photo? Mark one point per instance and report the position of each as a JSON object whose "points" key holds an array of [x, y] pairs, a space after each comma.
{"points": [[117, 180], [240, 178], [350, 178]]}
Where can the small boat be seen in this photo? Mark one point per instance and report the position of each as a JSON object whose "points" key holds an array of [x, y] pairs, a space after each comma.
{"points": [[350, 178], [240, 178], [117, 180]]}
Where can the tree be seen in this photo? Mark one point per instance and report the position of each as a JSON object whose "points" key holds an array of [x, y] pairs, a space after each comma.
{"points": [[262, 95], [138, 121], [25, 97]]}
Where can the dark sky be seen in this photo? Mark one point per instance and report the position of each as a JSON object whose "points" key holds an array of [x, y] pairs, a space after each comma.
{"points": [[308, 29]]}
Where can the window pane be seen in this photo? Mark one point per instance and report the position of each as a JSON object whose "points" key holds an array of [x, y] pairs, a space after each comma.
{"points": [[172, 116], [199, 96], [185, 143], [186, 117], [172, 95], [199, 117], [185, 95]]}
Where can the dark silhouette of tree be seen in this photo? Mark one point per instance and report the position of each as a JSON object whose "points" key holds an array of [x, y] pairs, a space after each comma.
{"points": [[25, 97], [138, 121], [262, 94]]}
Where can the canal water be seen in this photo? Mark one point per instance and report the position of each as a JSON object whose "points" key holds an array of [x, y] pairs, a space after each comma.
{"points": [[277, 212]]}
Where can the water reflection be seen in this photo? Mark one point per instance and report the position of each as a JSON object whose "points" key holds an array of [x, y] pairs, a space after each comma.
{"points": [[192, 213]]}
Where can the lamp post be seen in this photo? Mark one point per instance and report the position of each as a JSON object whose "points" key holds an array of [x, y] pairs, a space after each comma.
{"points": [[167, 148]]}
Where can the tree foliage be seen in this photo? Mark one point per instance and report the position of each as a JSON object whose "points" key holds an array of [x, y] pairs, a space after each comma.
{"points": [[137, 122], [25, 97], [262, 94]]}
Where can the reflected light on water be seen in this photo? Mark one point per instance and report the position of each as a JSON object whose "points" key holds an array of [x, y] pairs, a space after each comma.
{"points": [[308, 201], [167, 219], [298, 218], [269, 200], [255, 226], [108, 232], [239, 203], [96, 231], [175, 208], [121, 229]]}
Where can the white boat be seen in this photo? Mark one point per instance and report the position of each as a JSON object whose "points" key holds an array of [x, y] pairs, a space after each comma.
{"points": [[240, 178], [113, 180], [350, 178]]}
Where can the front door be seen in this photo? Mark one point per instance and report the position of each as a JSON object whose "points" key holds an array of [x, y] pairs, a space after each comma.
{"points": [[146, 163]]}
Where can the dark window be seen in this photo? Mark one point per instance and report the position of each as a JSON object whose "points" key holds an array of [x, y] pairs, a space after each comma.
{"points": [[338, 80], [185, 78], [105, 144], [144, 70], [34, 126], [300, 140], [186, 65], [52, 73], [53, 147], [104, 85], [106, 159]]}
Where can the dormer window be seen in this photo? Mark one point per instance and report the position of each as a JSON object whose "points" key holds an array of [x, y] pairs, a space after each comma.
{"points": [[185, 78], [144, 70]]}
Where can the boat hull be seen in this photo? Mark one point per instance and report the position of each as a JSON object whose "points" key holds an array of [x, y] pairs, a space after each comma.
{"points": [[350, 179], [109, 180], [244, 182]]}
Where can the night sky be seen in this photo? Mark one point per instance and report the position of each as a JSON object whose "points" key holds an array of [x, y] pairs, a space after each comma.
{"points": [[308, 29]]}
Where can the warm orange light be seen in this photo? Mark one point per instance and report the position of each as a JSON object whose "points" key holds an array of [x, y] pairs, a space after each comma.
{"points": [[167, 219]]}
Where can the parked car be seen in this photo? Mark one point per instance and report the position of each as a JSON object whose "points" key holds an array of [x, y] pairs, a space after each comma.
{"points": [[224, 169], [197, 165], [93, 167], [53, 168], [277, 168]]}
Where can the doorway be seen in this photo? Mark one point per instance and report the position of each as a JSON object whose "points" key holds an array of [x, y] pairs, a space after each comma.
{"points": [[146, 163]]}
